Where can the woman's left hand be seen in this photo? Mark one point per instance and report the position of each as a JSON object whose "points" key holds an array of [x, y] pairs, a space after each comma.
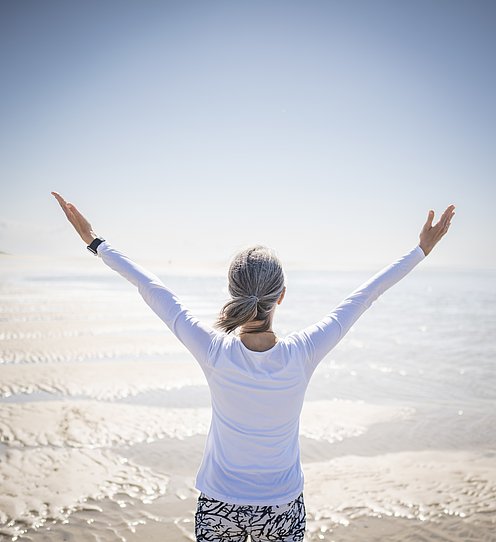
{"points": [[81, 225], [431, 235]]}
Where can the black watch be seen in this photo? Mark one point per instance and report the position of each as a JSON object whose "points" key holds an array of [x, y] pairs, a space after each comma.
{"points": [[94, 245]]}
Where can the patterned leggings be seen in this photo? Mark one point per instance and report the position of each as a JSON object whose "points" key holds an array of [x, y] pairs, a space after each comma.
{"points": [[217, 521]]}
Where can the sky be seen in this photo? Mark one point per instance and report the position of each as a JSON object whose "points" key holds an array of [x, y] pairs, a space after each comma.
{"points": [[188, 130]]}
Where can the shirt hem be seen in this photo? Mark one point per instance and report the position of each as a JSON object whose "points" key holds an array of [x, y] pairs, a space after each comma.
{"points": [[229, 499]]}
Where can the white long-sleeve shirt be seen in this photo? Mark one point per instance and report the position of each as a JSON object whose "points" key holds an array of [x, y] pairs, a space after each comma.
{"points": [[252, 453]]}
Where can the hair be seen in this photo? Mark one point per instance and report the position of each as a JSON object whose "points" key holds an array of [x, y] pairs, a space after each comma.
{"points": [[255, 283]]}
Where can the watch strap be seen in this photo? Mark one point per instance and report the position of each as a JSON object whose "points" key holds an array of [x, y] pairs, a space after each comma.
{"points": [[94, 245]]}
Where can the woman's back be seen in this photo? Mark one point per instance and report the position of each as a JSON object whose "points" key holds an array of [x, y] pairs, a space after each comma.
{"points": [[252, 453]]}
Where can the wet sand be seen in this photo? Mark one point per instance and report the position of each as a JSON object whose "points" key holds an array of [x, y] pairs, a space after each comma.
{"points": [[103, 415], [92, 470], [404, 496]]}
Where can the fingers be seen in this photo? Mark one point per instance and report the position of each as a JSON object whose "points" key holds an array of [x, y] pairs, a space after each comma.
{"points": [[60, 199], [444, 222], [430, 218], [450, 218], [63, 204], [75, 210], [428, 223], [71, 213], [448, 211], [446, 218]]}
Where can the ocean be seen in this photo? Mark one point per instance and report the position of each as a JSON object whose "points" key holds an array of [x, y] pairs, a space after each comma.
{"points": [[103, 413]]}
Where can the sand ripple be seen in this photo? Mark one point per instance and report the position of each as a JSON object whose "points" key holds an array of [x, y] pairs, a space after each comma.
{"points": [[47, 483], [97, 424], [336, 420], [424, 485], [103, 380]]}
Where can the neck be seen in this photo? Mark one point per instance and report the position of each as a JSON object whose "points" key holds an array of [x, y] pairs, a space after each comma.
{"points": [[254, 327], [258, 340], [246, 332]]}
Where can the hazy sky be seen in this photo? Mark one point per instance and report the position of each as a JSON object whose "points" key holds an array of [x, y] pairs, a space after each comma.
{"points": [[187, 130]]}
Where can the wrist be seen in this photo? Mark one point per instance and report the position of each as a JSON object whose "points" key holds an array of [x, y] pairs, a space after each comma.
{"points": [[89, 237], [425, 250]]}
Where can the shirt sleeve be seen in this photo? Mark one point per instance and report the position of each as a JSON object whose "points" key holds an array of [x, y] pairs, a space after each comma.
{"points": [[323, 336], [195, 336]]}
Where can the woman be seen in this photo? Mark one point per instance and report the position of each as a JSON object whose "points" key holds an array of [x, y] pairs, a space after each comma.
{"points": [[250, 478]]}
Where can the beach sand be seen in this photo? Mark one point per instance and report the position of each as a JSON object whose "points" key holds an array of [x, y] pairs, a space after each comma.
{"points": [[85, 469], [103, 414], [403, 496]]}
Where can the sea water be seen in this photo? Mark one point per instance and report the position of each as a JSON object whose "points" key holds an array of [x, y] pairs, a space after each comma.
{"points": [[103, 413]]}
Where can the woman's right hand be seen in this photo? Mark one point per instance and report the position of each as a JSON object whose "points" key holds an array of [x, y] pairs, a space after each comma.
{"points": [[431, 235], [78, 221]]}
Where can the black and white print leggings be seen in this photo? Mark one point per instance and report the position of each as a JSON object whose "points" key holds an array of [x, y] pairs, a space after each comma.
{"points": [[217, 521]]}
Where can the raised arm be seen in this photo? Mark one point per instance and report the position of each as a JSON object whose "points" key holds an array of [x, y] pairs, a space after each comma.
{"points": [[196, 336], [325, 334]]}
